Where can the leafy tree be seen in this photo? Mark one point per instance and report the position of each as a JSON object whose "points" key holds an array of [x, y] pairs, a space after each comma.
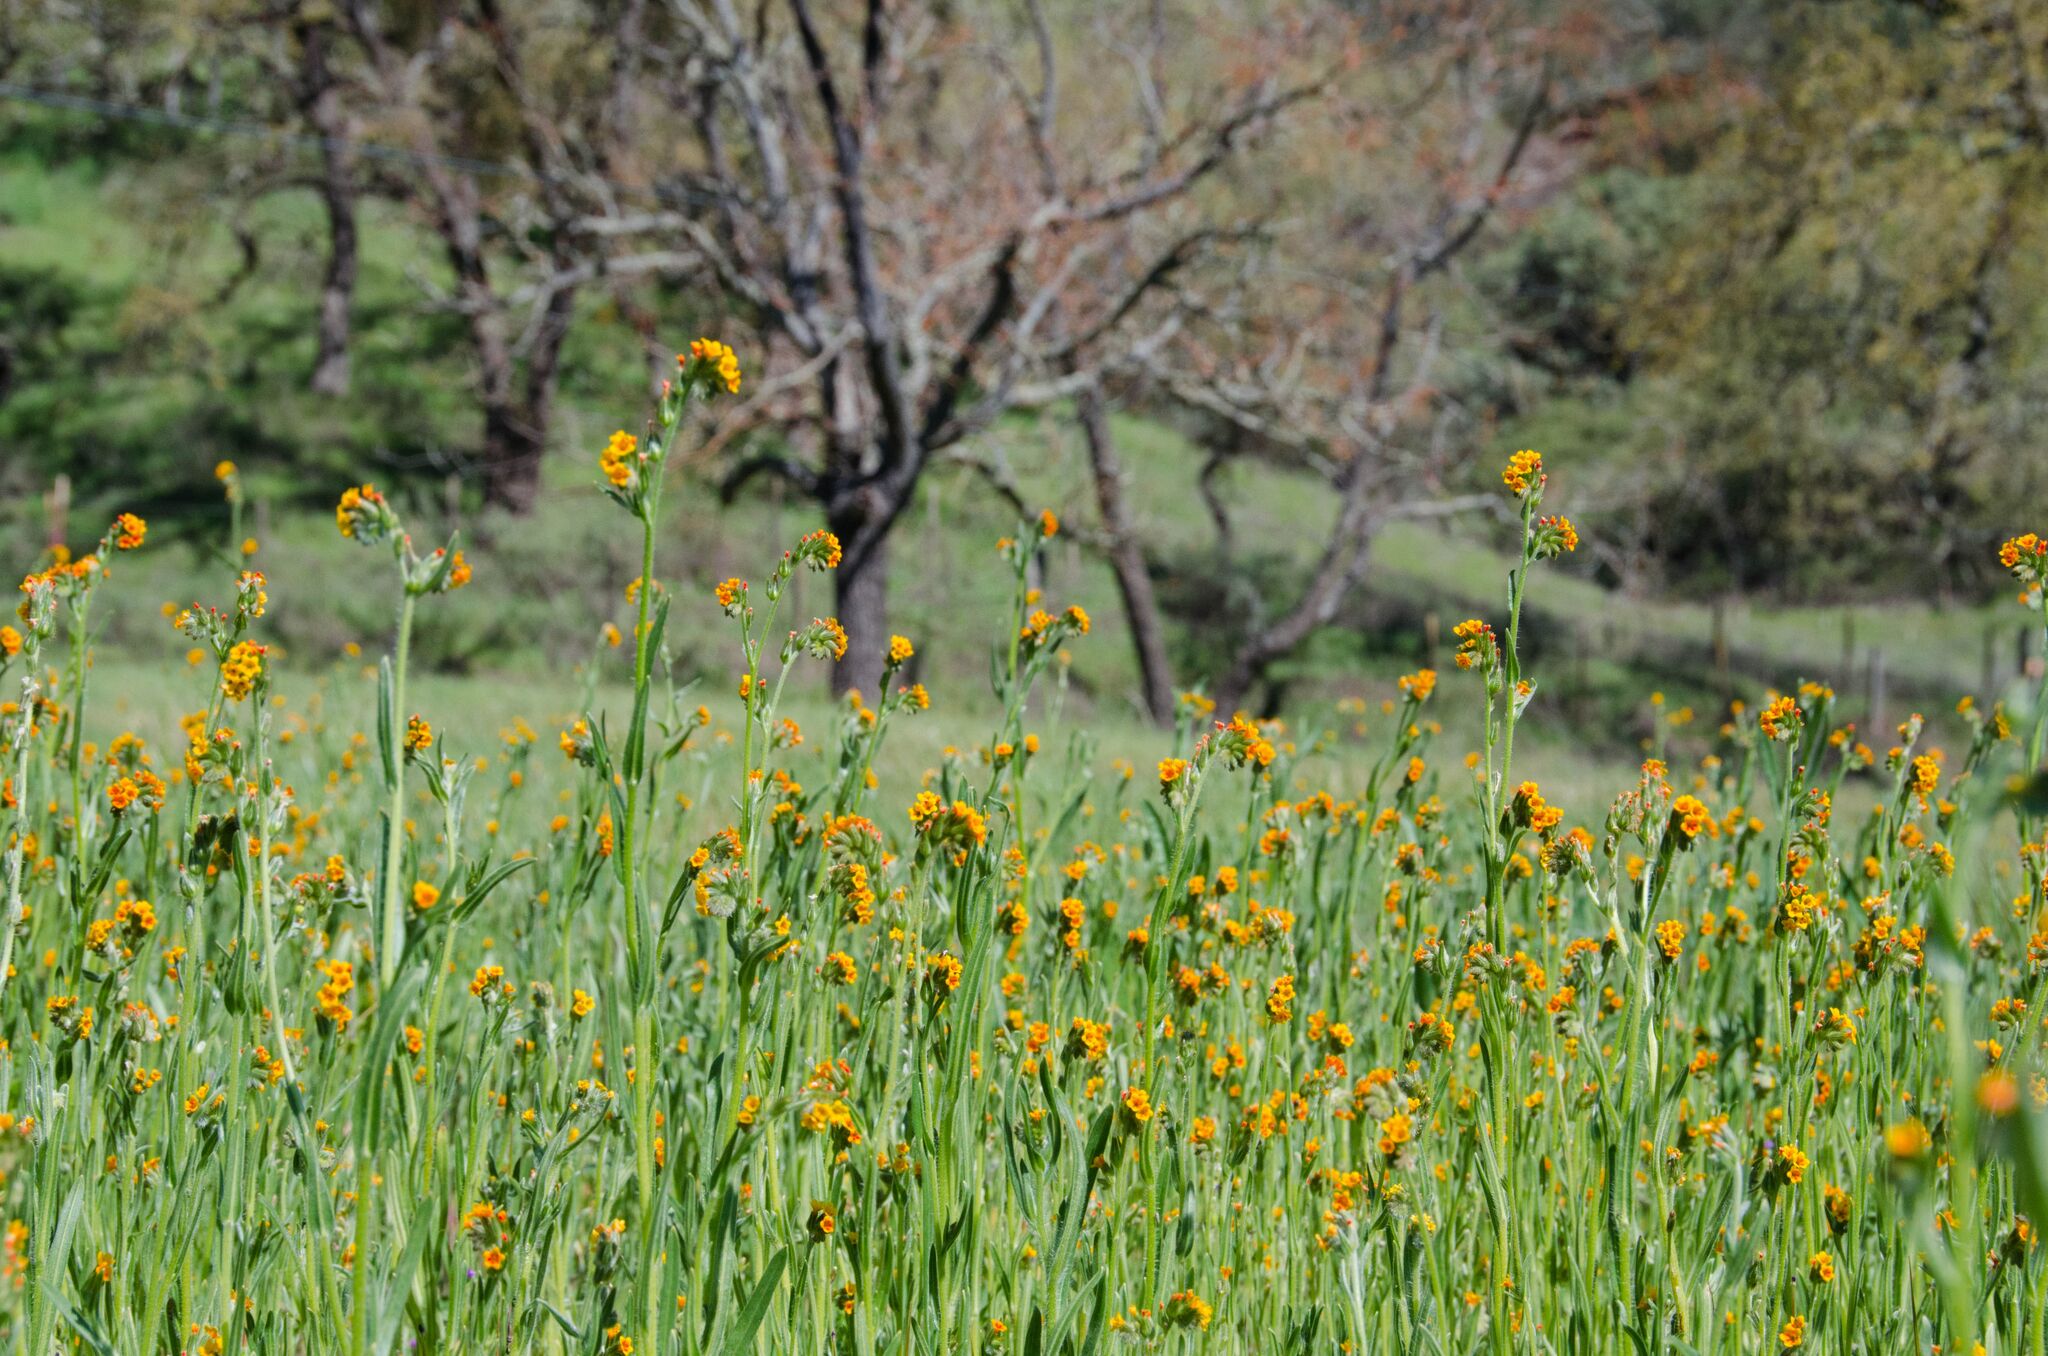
{"points": [[1847, 332]]}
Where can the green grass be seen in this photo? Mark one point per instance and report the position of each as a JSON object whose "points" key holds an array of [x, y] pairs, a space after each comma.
{"points": [[162, 375], [520, 1119]]}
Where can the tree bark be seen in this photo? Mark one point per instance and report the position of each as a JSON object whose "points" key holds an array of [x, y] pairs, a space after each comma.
{"points": [[513, 444], [861, 589], [1127, 560], [517, 408], [518, 404], [1335, 572], [324, 112], [515, 427]]}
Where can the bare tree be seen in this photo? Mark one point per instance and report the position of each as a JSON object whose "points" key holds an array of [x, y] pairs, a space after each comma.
{"points": [[509, 162], [1323, 351], [899, 198]]}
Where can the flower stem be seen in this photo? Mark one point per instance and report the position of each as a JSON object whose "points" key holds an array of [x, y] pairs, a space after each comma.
{"points": [[391, 942]]}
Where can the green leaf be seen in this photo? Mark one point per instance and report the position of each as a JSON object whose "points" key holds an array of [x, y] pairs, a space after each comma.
{"points": [[392, 1006], [477, 891], [391, 1307], [740, 1336]]}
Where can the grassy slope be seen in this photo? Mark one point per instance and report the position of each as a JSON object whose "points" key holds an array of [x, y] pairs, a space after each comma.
{"points": [[546, 586]]}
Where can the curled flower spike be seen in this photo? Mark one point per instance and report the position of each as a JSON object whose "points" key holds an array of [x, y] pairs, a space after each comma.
{"points": [[1524, 473], [2027, 557], [2023, 552], [711, 359], [434, 573], [363, 516], [1781, 719], [1280, 1000], [1477, 647], [1172, 776], [1553, 537], [942, 976], [958, 825], [824, 638], [128, 532], [1531, 811], [620, 459], [1835, 1027], [1689, 819], [1185, 1308], [241, 670], [1042, 632], [1242, 743], [1671, 939], [819, 550], [251, 595], [577, 744], [1087, 1040]]}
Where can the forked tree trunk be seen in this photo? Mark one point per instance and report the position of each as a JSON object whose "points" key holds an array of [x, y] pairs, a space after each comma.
{"points": [[1336, 572], [1127, 560]]}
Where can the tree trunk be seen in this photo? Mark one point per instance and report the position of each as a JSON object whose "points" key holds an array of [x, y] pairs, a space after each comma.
{"points": [[328, 118], [337, 291], [1127, 561], [512, 449], [516, 426], [861, 589], [1336, 570]]}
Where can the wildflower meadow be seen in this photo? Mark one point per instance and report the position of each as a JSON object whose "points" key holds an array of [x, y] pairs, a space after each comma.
{"points": [[678, 1028]]}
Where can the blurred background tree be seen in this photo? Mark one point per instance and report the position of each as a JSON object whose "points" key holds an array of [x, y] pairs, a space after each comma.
{"points": [[1258, 295], [1849, 316]]}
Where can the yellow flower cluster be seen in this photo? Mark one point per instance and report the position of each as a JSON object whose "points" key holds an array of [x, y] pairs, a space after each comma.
{"points": [[1524, 472], [708, 355], [620, 459], [241, 670]]}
